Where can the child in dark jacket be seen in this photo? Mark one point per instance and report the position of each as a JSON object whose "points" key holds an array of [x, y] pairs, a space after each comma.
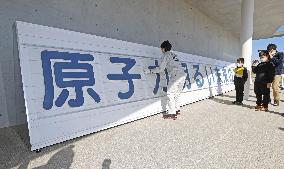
{"points": [[264, 77], [240, 78]]}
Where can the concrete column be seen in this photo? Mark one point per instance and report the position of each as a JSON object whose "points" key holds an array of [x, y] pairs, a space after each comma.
{"points": [[246, 38]]}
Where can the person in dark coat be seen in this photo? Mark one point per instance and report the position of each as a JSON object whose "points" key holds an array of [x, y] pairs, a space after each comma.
{"points": [[240, 78], [265, 72]]}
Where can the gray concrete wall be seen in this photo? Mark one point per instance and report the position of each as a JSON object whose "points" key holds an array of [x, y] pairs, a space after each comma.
{"points": [[147, 22]]}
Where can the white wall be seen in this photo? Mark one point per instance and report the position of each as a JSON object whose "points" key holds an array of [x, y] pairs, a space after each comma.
{"points": [[46, 55], [146, 22]]}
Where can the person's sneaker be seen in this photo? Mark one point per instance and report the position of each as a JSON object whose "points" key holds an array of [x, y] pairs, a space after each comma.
{"points": [[276, 103], [264, 109], [258, 107], [237, 103], [234, 102]]}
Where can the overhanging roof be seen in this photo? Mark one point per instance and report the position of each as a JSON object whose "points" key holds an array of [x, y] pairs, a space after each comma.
{"points": [[268, 15]]}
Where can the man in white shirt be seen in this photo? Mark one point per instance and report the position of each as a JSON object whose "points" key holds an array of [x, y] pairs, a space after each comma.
{"points": [[177, 75]]}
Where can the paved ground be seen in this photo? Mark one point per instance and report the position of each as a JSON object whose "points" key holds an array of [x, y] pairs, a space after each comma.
{"points": [[209, 134]]}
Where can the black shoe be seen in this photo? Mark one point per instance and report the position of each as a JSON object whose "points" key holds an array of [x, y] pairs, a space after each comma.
{"points": [[170, 116], [276, 103], [239, 103], [178, 112]]}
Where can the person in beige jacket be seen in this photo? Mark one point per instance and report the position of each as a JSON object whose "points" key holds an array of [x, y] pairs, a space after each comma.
{"points": [[277, 61]]}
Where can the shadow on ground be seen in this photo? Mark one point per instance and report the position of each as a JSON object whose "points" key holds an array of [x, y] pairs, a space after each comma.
{"points": [[228, 102], [277, 113], [14, 152], [62, 159], [234, 97], [106, 164]]}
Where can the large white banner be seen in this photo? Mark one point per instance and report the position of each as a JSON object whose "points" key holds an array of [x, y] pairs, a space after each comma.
{"points": [[75, 83]]}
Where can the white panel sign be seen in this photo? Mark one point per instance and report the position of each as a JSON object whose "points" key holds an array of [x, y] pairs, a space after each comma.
{"points": [[76, 84]]}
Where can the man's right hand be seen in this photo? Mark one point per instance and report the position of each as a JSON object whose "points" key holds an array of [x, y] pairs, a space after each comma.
{"points": [[255, 63], [147, 71]]}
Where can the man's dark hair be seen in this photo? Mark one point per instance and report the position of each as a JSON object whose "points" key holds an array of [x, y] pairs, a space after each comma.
{"points": [[271, 46], [166, 45], [241, 60], [264, 53]]}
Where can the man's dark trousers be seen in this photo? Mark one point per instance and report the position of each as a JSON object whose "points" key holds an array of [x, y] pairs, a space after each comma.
{"points": [[239, 86], [262, 94]]}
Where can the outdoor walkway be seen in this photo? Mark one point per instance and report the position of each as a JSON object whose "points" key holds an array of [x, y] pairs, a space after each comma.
{"points": [[209, 134]]}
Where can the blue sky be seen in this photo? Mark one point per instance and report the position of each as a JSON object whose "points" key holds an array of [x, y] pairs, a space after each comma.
{"points": [[261, 44]]}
